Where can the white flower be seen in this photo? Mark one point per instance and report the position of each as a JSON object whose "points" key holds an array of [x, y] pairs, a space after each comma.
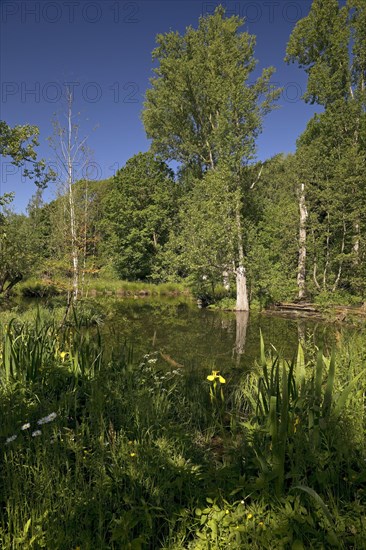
{"points": [[25, 426], [47, 419], [10, 439], [36, 433]]}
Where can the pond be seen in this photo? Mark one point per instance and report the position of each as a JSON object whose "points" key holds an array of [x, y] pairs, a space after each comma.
{"points": [[201, 338]]}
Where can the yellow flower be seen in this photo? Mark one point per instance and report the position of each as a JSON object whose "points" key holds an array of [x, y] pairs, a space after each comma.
{"points": [[216, 376], [249, 516], [63, 355], [132, 454]]}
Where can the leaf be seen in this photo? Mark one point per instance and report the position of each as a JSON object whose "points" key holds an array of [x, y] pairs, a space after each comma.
{"points": [[329, 387], [319, 501], [262, 353], [300, 367], [342, 399]]}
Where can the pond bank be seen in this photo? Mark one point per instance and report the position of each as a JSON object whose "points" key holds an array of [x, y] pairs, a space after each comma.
{"points": [[335, 313]]}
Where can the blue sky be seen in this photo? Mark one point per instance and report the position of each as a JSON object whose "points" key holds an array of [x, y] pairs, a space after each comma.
{"points": [[103, 48]]}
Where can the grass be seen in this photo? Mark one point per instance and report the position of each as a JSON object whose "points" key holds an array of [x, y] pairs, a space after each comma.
{"points": [[145, 457], [98, 285]]}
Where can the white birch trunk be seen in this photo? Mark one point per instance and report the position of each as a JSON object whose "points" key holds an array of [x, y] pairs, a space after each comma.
{"points": [[242, 302], [73, 233], [301, 270]]}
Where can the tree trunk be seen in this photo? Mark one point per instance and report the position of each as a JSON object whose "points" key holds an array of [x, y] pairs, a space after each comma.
{"points": [[74, 250], [226, 280], [301, 271], [356, 244], [242, 303]]}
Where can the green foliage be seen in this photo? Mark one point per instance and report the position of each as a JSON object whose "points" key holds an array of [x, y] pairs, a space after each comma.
{"points": [[206, 239], [17, 253], [319, 43], [200, 121], [272, 237], [138, 214], [19, 144], [329, 43]]}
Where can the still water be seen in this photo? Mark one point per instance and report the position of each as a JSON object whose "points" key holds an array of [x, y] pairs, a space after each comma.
{"points": [[200, 338]]}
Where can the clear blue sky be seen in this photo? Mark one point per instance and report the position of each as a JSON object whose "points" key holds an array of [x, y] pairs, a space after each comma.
{"points": [[103, 48]]}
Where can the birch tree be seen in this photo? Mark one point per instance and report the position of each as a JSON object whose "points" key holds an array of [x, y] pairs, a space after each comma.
{"points": [[204, 110], [72, 159], [330, 44]]}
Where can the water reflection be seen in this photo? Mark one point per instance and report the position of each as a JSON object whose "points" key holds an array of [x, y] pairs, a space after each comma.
{"points": [[242, 318], [200, 338]]}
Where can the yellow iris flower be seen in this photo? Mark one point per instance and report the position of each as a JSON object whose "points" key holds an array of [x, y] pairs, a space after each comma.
{"points": [[216, 376]]}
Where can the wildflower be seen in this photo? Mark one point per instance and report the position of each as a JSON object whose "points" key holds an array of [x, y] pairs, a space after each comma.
{"points": [[36, 433], [132, 454], [25, 426], [47, 419], [227, 512], [10, 439], [249, 516], [216, 376], [63, 354], [261, 524]]}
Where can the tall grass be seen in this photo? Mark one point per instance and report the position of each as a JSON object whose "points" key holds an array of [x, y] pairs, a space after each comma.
{"points": [[100, 452]]}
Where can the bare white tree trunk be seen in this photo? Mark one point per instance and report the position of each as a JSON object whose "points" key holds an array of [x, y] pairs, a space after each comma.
{"points": [[70, 180], [242, 302], [85, 238], [301, 270], [356, 244], [71, 156]]}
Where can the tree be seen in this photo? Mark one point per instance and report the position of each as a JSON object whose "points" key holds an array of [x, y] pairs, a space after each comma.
{"points": [[139, 212], [19, 145], [330, 44], [207, 216], [72, 159], [17, 256], [272, 224], [203, 112]]}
